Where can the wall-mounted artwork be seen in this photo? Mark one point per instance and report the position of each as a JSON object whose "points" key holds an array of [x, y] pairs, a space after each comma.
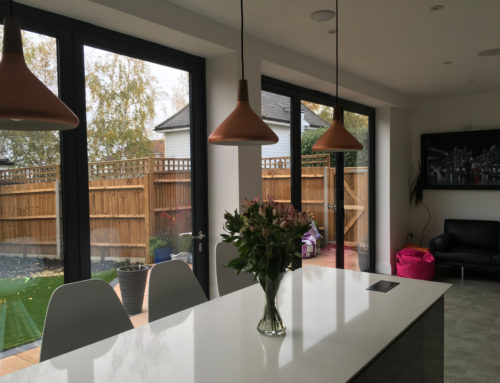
{"points": [[461, 160]]}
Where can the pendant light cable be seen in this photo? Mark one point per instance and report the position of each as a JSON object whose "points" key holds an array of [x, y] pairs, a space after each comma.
{"points": [[337, 138], [11, 8], [243, 126], [242, 52], [337, 52]]}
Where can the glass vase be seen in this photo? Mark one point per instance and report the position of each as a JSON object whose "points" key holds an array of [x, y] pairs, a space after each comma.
{"points": [[271, 323]]}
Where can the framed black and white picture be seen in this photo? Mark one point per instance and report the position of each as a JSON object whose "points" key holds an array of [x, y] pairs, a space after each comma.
{"points": [[461, 160]]}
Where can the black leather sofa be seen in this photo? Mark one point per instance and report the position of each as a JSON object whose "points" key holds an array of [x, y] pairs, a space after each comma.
{"points": [[468, 243]]}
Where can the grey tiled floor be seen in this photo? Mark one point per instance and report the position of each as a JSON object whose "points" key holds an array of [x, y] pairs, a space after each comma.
{"points": [[472, 326]]}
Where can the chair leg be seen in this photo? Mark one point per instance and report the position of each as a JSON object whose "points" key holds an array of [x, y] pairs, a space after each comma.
{"points": [[462, 272]]}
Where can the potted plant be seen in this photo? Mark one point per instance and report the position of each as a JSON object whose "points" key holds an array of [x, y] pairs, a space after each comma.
{"points": [[268, 237], [168, 240], [132, 280], [363, 255], [160, 248]]}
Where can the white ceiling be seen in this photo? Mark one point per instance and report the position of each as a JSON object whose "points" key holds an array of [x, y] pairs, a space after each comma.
{"points": [[398, 43]]}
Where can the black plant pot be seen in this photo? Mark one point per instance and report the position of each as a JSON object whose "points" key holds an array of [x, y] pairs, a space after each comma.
{"points": [[363, 259], [132, 281]]}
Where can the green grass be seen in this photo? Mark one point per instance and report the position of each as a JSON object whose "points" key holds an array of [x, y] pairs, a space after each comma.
{"points": [[107, 275], [23, 304]]}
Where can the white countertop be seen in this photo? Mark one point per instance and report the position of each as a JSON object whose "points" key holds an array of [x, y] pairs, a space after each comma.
{"points": [[334, 328]]}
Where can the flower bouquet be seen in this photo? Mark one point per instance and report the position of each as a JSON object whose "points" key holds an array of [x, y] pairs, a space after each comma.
{"points": [[268, 236]]}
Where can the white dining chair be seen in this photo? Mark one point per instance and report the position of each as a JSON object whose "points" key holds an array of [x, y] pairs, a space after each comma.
{"points": [[227, 279], [172, 288], [81, 313]]}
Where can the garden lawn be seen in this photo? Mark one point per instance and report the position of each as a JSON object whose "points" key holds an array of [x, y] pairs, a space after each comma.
{"points": [[23, 304]]}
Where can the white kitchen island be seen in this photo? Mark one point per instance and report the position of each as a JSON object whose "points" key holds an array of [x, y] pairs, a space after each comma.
{"points": [[337, 331]]}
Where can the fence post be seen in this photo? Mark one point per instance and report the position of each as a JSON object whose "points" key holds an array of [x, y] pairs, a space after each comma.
{"points": [[325, 202], [57, 197], [149, 214]]}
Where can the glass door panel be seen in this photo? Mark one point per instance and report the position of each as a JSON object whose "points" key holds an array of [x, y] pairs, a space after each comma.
{"points": [[31, 257], [276, 159], [318, 183], [356, 195], [139, 139]]}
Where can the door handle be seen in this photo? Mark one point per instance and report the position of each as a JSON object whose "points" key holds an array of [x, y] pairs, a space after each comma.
{"points": [[200, 235]]}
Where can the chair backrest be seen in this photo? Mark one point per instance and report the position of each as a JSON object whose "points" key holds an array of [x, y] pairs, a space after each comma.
{"points": [[172, 288], [227, 279], [79, 314]]}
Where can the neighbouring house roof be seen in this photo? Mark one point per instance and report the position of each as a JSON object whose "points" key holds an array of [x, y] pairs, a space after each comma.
{"points": [[274, 108], [177, 121]]}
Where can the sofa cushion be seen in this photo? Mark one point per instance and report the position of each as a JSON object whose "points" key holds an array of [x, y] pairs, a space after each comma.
{"points": [[496, 260], [465, 255], [445, 241], [474, 233]]}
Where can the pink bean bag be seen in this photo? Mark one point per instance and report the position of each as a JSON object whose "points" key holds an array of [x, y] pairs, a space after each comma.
{"points": [[416, 264]]}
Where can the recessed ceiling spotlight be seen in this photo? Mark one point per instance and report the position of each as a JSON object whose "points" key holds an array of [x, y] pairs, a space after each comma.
{"points": [[436, 7], [448, 62], [490, 52], [322, 15], [332, 31]]}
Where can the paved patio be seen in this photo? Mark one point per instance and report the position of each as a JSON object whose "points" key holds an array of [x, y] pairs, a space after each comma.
{"points": [[327, 258]]}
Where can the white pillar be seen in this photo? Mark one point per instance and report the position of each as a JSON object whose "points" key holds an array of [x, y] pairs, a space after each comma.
{"points": [[234, 173], [382, 190], [223, 169], [391, 185]]}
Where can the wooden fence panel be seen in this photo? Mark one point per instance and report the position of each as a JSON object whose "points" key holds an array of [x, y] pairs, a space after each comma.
{"points": [[313, 193], [133, 200], [276, 185], [356, 204], [117, 218], [28, 219], [172, 196]]}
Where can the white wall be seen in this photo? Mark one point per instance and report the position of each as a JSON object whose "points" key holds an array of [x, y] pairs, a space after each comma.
{"points": [[447, 114], [177, 144]]}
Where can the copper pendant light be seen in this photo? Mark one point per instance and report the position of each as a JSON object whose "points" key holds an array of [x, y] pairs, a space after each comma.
{"points": [[25, 102], [243, 126], [337, 138]]}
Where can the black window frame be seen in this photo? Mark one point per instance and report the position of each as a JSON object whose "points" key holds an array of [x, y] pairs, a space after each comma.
{"points": [[72, 35], [298, 93]]}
